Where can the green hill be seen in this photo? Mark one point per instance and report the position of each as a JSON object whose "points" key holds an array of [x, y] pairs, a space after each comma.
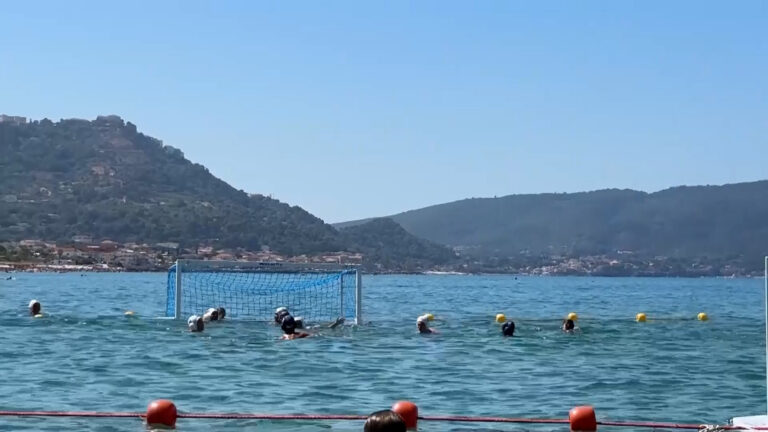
{"points": [[682, 222], [106, 180], [388, 244]]}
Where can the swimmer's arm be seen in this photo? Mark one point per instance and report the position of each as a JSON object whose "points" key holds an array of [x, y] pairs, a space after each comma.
{"points": [[338, 321]]}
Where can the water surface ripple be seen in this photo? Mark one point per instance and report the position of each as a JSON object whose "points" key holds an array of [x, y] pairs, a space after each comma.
{"points": [[85, 355]]}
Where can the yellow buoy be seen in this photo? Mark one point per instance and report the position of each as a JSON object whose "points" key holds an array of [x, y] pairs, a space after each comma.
{"points": [[702, 316], [129, 313], [38, 316], [573, 317], [501, 318], [430, 317], [640, 317]]}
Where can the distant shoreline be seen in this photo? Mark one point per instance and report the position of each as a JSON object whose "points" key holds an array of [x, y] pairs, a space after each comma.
{"points": [[7, 268]]}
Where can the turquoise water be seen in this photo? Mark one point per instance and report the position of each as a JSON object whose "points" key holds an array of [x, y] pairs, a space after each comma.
{"points": [[86, 356]]}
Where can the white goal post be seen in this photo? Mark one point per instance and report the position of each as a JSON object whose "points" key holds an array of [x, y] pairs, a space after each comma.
{"points": [[253, 290]]}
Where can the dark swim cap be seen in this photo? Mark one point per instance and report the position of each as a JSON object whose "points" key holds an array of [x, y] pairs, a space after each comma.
{"points": [[222, 313], [508, 329], [288, 324]]}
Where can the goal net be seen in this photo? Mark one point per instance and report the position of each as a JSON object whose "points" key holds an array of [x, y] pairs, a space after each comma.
{"points": [[253, 290]]}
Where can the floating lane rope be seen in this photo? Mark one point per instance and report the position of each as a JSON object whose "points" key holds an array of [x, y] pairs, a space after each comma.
{"points": [[581, 418]]}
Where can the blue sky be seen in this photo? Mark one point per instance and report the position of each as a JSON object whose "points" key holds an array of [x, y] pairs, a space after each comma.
{"points": [[356, 109]]}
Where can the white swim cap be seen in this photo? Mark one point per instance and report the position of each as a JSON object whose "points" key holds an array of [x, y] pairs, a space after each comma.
{"points": [[281, 309], [32, 302], [422, 319], [193, 322], [208, 315]]}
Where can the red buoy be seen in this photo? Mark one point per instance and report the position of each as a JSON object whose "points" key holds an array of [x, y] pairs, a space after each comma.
{"points": [[582, 419], [409, 413], [163, 412]]}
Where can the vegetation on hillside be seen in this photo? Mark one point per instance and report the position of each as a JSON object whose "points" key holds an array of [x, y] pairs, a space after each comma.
{"points": [[387, 245], [720, 223], [105, 180]]}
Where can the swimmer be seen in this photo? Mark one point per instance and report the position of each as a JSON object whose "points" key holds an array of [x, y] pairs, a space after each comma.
{"points": [[196, 323], [508, 329], [34, 307], [222, 312], [282, 312], [339, 321], [384, 421], [422, 323], [289, 327], [211, 315], [568, 325]]}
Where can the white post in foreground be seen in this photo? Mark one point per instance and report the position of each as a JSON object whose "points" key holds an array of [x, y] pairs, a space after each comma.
{"points": [[758, 421], [177, 308], [359, 297]]}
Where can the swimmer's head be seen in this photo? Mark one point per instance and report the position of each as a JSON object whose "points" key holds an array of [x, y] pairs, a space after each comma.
{"points": [[211, 315], [222, 313], [384, 421], [288, 325], [281, 313], [568, 325], [34, 307], [422, 323], [508, 329], [195, 323]]}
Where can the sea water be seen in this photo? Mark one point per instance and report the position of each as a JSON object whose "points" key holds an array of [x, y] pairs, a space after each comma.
{"points": [[86, 355]]}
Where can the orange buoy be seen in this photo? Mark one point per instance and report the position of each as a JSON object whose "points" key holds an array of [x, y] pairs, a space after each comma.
{"points": [[161, 411], [408, 411], [582, 419]]}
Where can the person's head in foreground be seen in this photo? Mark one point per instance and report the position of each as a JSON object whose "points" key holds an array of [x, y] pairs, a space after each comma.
{"points": [[195, 323], [34, 307], [384, 421], [568, 325], [211, 315], [508, 329], [281, 313], [422, 323], [289, 327], [222, 313]]}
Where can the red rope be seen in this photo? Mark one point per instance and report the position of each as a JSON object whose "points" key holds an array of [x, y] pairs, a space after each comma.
{"points": [[70, 414], [464, 419], [491, 419], [272, 416]]}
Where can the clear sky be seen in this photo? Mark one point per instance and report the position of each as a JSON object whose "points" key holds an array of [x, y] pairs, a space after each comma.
{"points": [[361, 108]]}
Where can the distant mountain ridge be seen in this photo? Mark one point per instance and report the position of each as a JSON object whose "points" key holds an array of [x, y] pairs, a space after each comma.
{"points": [[684, 222], [106, 180]]}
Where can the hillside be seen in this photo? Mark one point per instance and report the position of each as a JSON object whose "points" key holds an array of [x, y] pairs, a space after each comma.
{"points": [[682, 222], [388, 244], [103, 179]]}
